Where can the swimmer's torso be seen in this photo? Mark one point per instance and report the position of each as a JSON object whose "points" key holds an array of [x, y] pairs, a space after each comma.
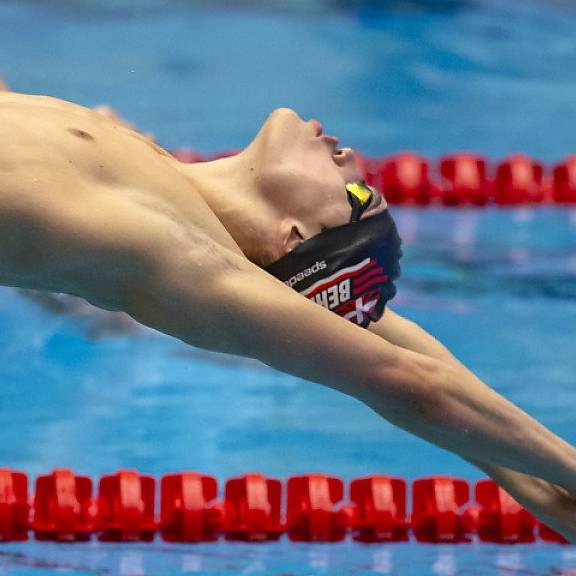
{"points": [[57, 154]]}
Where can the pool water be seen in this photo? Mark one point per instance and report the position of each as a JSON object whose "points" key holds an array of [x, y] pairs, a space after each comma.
{"points": [[92, 391]]}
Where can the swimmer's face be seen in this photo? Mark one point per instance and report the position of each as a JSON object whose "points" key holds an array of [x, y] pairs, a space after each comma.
{"points": [[303, 175]]}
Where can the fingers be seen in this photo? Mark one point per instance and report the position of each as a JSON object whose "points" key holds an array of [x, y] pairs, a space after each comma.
{"points": [[3, 85]]}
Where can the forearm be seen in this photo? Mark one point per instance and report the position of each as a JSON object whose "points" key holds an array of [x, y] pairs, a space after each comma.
{"points": [[510, 477], [410, 336], [465, 416]]}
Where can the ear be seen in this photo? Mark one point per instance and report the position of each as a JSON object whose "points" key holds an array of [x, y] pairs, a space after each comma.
{"points": [[291, 235]]}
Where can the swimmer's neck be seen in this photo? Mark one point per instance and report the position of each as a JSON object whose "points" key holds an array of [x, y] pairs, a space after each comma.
{"points": [[230, 187]]}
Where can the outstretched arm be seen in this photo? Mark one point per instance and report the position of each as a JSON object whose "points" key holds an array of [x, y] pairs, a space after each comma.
{"points": [[552, 504], [215, 299]]}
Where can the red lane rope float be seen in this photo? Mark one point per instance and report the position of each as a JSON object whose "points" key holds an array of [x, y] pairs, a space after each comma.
{"points": [[14, 507], [188, 511], [125, 507], [318, 508], [499, 518], [437, 505], [310, 512], [459, 179], [63, 508], [379, 509]]}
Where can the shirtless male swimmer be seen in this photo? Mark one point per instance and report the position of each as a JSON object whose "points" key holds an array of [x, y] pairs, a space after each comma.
{"points": [[91, 208]]}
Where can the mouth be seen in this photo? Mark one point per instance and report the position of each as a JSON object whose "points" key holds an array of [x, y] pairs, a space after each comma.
{"points": [[319, 133], [333, 140]]}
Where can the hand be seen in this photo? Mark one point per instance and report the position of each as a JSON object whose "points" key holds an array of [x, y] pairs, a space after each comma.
{"points": [[551, 504], [3, 85], [562, 507]]}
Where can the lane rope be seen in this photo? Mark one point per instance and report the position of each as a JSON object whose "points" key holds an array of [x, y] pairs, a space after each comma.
{"points": [[256, 508], [459, 179]]}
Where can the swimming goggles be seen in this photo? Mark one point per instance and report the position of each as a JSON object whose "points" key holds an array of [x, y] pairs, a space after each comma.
{"points": [[360, 197]]}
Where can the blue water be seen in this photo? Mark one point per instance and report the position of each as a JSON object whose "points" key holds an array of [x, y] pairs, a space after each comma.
{"points": [[92, 391]]}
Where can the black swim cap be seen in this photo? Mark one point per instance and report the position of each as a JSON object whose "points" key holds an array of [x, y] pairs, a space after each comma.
{"points": [[349, 269]]}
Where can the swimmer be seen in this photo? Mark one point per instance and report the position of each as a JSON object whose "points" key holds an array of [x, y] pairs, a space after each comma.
{"points": [[279, 253]]}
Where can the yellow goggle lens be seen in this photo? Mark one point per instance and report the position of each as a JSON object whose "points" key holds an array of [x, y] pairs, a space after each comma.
{"points": [[359, 191]]}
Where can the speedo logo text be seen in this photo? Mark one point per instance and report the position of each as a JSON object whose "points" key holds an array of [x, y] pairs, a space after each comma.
{"points": [[314, 269]]}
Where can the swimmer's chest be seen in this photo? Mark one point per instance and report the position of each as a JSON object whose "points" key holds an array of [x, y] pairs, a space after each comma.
{"points": [[55, 150], [43, 136]]}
